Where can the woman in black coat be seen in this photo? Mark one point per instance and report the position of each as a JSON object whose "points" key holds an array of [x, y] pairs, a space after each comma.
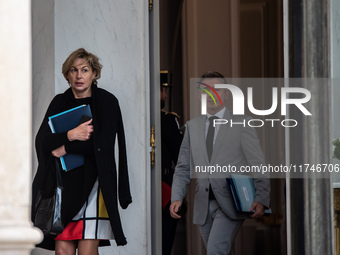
{"points": [[89, 202]]}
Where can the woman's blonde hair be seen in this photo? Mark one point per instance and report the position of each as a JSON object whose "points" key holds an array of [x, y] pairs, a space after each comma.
{"points": [[81, 53]]}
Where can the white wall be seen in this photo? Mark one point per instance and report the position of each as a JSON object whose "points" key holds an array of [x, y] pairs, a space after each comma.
{"points": [[117, 32], [335, 74]]}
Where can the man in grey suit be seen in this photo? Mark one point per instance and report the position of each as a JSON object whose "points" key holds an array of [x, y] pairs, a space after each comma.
{"points": [[223, 145]]}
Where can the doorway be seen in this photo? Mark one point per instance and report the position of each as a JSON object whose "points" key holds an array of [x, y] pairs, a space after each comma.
{"points": [[242, 39]]}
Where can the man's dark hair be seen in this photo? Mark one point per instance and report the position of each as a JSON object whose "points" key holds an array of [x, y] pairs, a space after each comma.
{"points": [[213, 74]]}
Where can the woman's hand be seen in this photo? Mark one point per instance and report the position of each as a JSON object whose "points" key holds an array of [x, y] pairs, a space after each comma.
{"points": [[59, 152], [81, 133]]}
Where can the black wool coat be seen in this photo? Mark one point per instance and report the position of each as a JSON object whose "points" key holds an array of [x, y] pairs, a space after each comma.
{"points": [[100, 163]]}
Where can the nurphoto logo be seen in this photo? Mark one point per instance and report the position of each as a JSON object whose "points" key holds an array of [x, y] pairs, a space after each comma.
{"points": [[238, 104]]}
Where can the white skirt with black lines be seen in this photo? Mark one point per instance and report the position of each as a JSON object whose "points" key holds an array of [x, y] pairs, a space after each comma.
{"points": [[91, 222]]}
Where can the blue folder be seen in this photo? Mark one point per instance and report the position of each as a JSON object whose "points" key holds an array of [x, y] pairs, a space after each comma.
{"points": [[243, 192], [66, 121]]}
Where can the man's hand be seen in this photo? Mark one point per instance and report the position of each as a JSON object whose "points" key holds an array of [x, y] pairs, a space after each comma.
{"points": [[59, 152], [81, 133], [259, 210], [174, 207]]}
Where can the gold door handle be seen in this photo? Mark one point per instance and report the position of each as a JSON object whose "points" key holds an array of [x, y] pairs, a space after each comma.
{"points": [[150, 4], [152, 144]]}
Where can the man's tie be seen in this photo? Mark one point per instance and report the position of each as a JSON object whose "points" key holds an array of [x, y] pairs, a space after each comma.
{"points": [[210, 144], [210, 136]]}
